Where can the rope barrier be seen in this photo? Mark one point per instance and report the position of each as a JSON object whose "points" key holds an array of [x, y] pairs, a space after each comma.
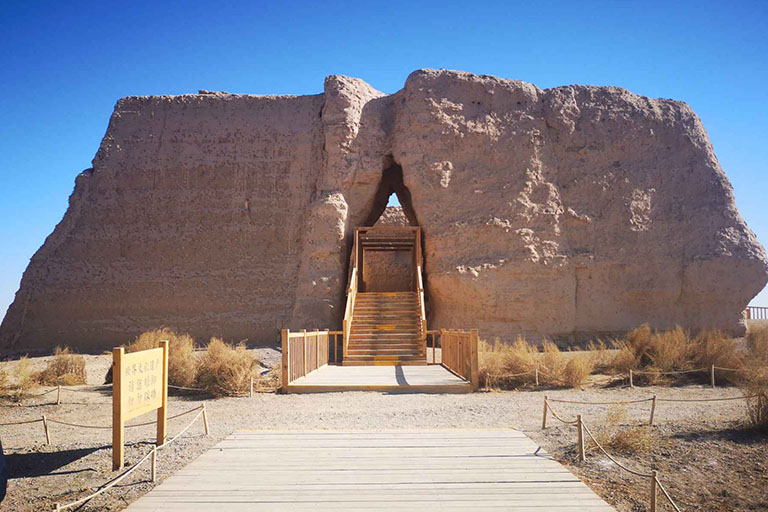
{"points": [[636, 473], [558, 417], [126, 426], [705, 399], [670, 372], [20, 422], [187, 389], [600, 403], [653, 475], [119, 478]]}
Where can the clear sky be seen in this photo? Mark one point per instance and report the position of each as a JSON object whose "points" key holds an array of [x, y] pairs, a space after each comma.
{"points": [[64, 64]]}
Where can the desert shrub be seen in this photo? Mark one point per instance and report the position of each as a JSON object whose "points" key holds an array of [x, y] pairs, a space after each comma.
{"points": [[26, 379], [712, 347], [639, 340], [226, 369], [553, 363], [501, 364], [757, 343], [577, 370], [600, 354], [182, 363], [755, 386], [670, 350], [5, 385], [491, 363], [66, 368], [631, 440], [624, 358], [615, 415]]}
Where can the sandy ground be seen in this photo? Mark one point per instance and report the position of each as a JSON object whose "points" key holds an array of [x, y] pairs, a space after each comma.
{"points": [[706, 458]]}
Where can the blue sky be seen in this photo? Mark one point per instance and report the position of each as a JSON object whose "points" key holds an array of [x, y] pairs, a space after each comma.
{"points": [[63, 65]]}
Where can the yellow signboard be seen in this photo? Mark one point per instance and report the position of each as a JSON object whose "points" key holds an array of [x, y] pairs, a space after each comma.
{"points": [[139, 385]]}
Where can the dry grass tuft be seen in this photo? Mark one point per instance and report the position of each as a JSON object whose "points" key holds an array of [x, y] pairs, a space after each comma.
{"points": [[624, 358], [601, 355], [26, 379], [757, 343], [578, 369], [66, 368], [670, 350], [632, 440], [553, 363], [501, 363], [755, 385], [226, 369], [5, 385], [182, 364], [615, 415]]}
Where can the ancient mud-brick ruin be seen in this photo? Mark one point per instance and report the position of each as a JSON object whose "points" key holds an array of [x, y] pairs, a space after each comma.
{"points": [[560, 212]]}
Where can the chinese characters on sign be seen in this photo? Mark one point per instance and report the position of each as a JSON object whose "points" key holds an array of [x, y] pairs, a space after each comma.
{"points": [[139, 386]]}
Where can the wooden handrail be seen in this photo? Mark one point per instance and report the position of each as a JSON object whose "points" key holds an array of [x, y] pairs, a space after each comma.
{"points": [[303, 353], [351, 296], [423, 313], [459, 354]]}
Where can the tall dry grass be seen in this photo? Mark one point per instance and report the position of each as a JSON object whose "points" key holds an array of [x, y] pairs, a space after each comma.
{"points": [[182, 362], [5, 384], [508, 365], [226, 369], [755, 383], [66, 368], [25, 377]]}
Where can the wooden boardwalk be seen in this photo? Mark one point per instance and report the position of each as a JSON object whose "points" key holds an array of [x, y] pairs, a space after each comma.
{"points": [[373, 470], [393, 379]]}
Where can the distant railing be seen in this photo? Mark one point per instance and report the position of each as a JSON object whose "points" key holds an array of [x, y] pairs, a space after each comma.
{"points": [[303, 353], [757, 313], [459, 354], [432, 337]]}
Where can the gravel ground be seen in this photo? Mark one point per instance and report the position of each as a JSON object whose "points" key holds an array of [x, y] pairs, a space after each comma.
{"points": [[706, 458]]}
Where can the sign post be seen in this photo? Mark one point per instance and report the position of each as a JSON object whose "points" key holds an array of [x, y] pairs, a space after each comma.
{"points": [[139, 385]]}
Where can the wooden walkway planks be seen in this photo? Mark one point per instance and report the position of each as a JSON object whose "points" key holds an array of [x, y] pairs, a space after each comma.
{"points": [[402, 379], [373, 470]]}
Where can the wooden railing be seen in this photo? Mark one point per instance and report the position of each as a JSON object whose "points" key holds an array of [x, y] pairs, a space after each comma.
{"points": [[757, 313], [459, 354], [336, 350], [303, 353], [422, 309], [432, 337], [351, 295]]}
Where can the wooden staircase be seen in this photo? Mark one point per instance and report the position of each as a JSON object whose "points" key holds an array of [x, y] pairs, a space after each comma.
{"points": [[386, 329]]}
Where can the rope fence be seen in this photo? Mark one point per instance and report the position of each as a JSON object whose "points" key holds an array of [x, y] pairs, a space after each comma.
{"points": [[582, 428], [653, 400], [151, 455], [46, 420]]}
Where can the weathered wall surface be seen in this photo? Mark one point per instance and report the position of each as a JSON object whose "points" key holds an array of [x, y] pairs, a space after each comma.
{"points": [[191, 217], [571, 210], [545, 212]]}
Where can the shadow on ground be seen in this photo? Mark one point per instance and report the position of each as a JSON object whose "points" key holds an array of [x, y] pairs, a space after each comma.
{"points": [[25, 465]]}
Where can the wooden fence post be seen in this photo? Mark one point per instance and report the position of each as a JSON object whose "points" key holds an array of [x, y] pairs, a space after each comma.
{"points": [[285, 377], [118, 422], [304, 350], [537, 376], [205, 419], [250, 395], [654, 484], [474, 370], [653, 409], [45, 427], [544, 416], [631, 382], [153, 467], [712, 375], [580, 426], [162, 412], [58, 396]]}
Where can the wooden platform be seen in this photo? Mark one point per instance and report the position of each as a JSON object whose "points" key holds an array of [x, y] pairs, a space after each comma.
{"points": [[394, 379], [398, 470]]}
